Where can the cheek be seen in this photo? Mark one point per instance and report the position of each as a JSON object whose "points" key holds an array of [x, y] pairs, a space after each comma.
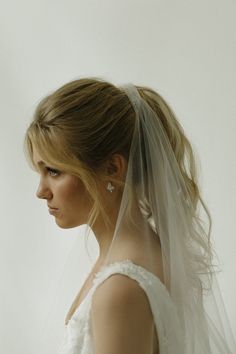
{"points": [[70, 190]]}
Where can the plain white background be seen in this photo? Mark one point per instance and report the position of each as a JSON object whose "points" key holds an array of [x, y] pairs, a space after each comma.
{"points": [[184, 49]]}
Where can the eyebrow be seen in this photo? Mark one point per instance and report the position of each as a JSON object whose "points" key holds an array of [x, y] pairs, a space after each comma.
{"points": [[40, 163]]}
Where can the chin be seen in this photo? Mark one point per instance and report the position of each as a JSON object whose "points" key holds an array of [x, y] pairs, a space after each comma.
{"points": [[67, 225]]}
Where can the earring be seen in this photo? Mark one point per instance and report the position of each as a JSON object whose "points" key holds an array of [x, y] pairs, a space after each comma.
{"points": [[110, 187]]}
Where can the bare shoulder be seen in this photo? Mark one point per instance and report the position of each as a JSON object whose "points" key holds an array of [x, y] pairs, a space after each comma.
{"points": [[120, 290], [122, 319]]}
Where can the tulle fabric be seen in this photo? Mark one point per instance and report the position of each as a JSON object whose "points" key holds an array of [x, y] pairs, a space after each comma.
{"points": [[155, 186]]}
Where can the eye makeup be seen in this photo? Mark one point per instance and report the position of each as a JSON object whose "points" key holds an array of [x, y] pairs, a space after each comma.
{"points": [[52, 170]]}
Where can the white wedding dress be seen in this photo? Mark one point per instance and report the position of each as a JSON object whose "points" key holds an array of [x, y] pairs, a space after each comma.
{"points": [[78, 334]]}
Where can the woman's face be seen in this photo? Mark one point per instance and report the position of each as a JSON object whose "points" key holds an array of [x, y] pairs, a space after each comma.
{"points": [[64, 192]]}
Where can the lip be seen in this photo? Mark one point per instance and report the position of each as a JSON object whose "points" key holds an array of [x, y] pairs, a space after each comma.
{"points": [[52, 210]]}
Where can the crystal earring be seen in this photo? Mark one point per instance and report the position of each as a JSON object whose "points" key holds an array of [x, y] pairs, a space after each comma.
{"points": [[110, 187]]}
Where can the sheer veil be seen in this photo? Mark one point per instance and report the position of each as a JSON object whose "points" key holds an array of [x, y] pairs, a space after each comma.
{"points": [[154, 185]]}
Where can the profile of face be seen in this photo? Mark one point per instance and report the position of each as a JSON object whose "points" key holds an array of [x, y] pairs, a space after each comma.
{"points": [[64, 192]]}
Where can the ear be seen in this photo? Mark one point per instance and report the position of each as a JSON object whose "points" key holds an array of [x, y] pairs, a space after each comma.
{"points": [[117, 165]]}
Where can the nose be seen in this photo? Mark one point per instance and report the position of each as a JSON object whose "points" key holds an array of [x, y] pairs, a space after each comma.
{"points": [[43, 192]]}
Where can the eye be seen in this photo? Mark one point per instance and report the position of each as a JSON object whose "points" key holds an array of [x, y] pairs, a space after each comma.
{"points": [[53, 172]]}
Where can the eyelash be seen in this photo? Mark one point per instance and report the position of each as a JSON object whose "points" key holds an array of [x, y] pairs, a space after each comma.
{"points": [[53, 170]]}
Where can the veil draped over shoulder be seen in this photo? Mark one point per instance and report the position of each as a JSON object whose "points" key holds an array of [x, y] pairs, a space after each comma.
{"points": [[154, 186]]}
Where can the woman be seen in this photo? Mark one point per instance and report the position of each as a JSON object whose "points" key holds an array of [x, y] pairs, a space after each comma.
{"points": [[114, 158]]}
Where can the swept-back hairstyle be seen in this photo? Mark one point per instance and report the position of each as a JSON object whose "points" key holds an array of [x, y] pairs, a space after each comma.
{"points": [[78, 127]]}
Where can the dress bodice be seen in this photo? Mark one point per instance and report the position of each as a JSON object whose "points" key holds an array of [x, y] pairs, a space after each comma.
{"points": [[78, 333]]}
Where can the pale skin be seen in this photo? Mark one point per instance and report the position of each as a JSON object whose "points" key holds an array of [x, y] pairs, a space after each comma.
{"points": [[122, 320]]}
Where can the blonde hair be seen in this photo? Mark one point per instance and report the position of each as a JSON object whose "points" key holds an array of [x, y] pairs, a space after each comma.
{"points": [[82, 124]]}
